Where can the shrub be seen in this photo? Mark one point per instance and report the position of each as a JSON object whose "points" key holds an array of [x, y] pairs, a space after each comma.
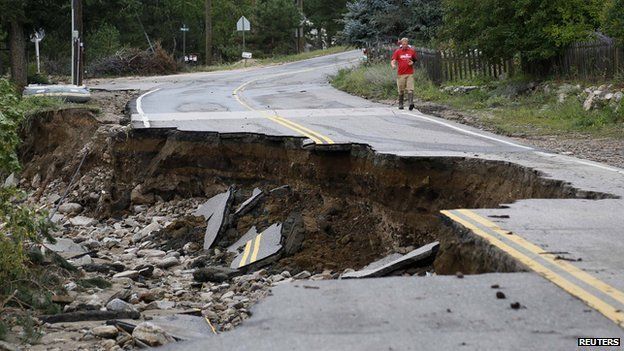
{"points": [[134, 62], [19, 224]]}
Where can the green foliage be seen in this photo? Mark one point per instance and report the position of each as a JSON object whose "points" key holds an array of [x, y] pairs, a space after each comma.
{"points": [[18, 222], [373, 82], [612, 19], [502, 28], [10, 116], [324, 14], [276, 21], [104, 41], [387, 20], [502, 105]]}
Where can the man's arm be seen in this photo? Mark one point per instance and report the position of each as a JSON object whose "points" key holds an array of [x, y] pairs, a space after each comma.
{"points": [[393, 63]]}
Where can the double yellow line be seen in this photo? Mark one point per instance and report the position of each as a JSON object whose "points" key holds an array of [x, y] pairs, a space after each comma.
{"points": [[314, 136], [255, 243], [514, 245]]}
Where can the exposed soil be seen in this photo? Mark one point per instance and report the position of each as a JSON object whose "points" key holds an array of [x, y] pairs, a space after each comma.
{"points": [[357, 205]]}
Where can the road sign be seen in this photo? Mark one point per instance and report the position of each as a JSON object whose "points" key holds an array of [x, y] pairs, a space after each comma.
{"points": [[246, 55], [243, 24], [36, 38]]}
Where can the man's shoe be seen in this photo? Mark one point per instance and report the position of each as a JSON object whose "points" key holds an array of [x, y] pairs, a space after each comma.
{"points": [[400, 107], [411, 107]]}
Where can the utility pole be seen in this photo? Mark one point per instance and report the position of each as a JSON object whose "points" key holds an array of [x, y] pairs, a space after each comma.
{"points": [[208, 30], [184, 29], [300, 36], [77, 52]]}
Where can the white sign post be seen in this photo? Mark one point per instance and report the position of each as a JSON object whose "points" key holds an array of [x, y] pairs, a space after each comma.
{"points": [[36, 38], [243, 25]]}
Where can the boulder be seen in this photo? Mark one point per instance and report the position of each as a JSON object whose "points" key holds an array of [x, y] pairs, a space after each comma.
{"points": [[70, 208], [82, 221], [118, 305], [105, 331], [151, 334]]}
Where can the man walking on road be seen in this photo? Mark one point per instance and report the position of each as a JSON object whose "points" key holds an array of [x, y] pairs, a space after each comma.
{"points": [[405, 57]]}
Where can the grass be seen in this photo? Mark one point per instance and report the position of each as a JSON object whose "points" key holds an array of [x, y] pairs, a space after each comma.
{"points": [[270, 60], [496, 103]]}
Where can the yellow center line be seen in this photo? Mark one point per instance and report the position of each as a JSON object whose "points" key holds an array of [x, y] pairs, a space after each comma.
{"points": [[314, 136], [614, 314], [245, 254], [254, 256], [566, 266], [278, 121]]}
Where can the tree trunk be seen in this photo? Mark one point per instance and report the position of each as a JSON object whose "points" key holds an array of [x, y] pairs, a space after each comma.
{"points": [[17, 47], [208, 32]]}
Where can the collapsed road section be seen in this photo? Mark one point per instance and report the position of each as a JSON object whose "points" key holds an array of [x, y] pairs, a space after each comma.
{"points": [[211, 220]]}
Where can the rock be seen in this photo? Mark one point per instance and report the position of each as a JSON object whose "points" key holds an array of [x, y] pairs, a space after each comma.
{"points": [[82, 221], [293, 232], [5, 346], [160, 305], [214, 274], [500, 295], [151, 334], [70, 286], [151, 253], [53, 198], [109, 344], [84, 260], [167, 262], [66, 248], [137, 196], [147, 231], [70, 208], [617, 97], [302, 275], [132, 274], [118, 305], [191, 247], [111, 242], [105, 331], [11, 181], [589, 102]]}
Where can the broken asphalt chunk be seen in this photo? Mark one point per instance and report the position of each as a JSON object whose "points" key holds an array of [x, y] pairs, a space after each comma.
{"points": [[183, 327], [215, 210], [387, 266], [246, 206], [251, 233], [261, 247]]}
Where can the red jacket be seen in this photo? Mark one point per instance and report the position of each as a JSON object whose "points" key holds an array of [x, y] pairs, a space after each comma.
{"points": [[403, 56]]}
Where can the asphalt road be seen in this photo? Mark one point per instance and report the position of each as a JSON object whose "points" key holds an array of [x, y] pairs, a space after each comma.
{"points": [[564, 299]]}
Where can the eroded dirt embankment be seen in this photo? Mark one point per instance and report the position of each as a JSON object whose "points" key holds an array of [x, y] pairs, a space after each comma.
{"points": [[357, 205]]}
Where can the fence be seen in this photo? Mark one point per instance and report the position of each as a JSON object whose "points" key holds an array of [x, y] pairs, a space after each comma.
{"points": [[595, 60], [446, 65], [600, 59]]}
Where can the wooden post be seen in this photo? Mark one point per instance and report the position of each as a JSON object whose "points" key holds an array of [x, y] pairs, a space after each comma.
{"points": [[17, 47]]}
